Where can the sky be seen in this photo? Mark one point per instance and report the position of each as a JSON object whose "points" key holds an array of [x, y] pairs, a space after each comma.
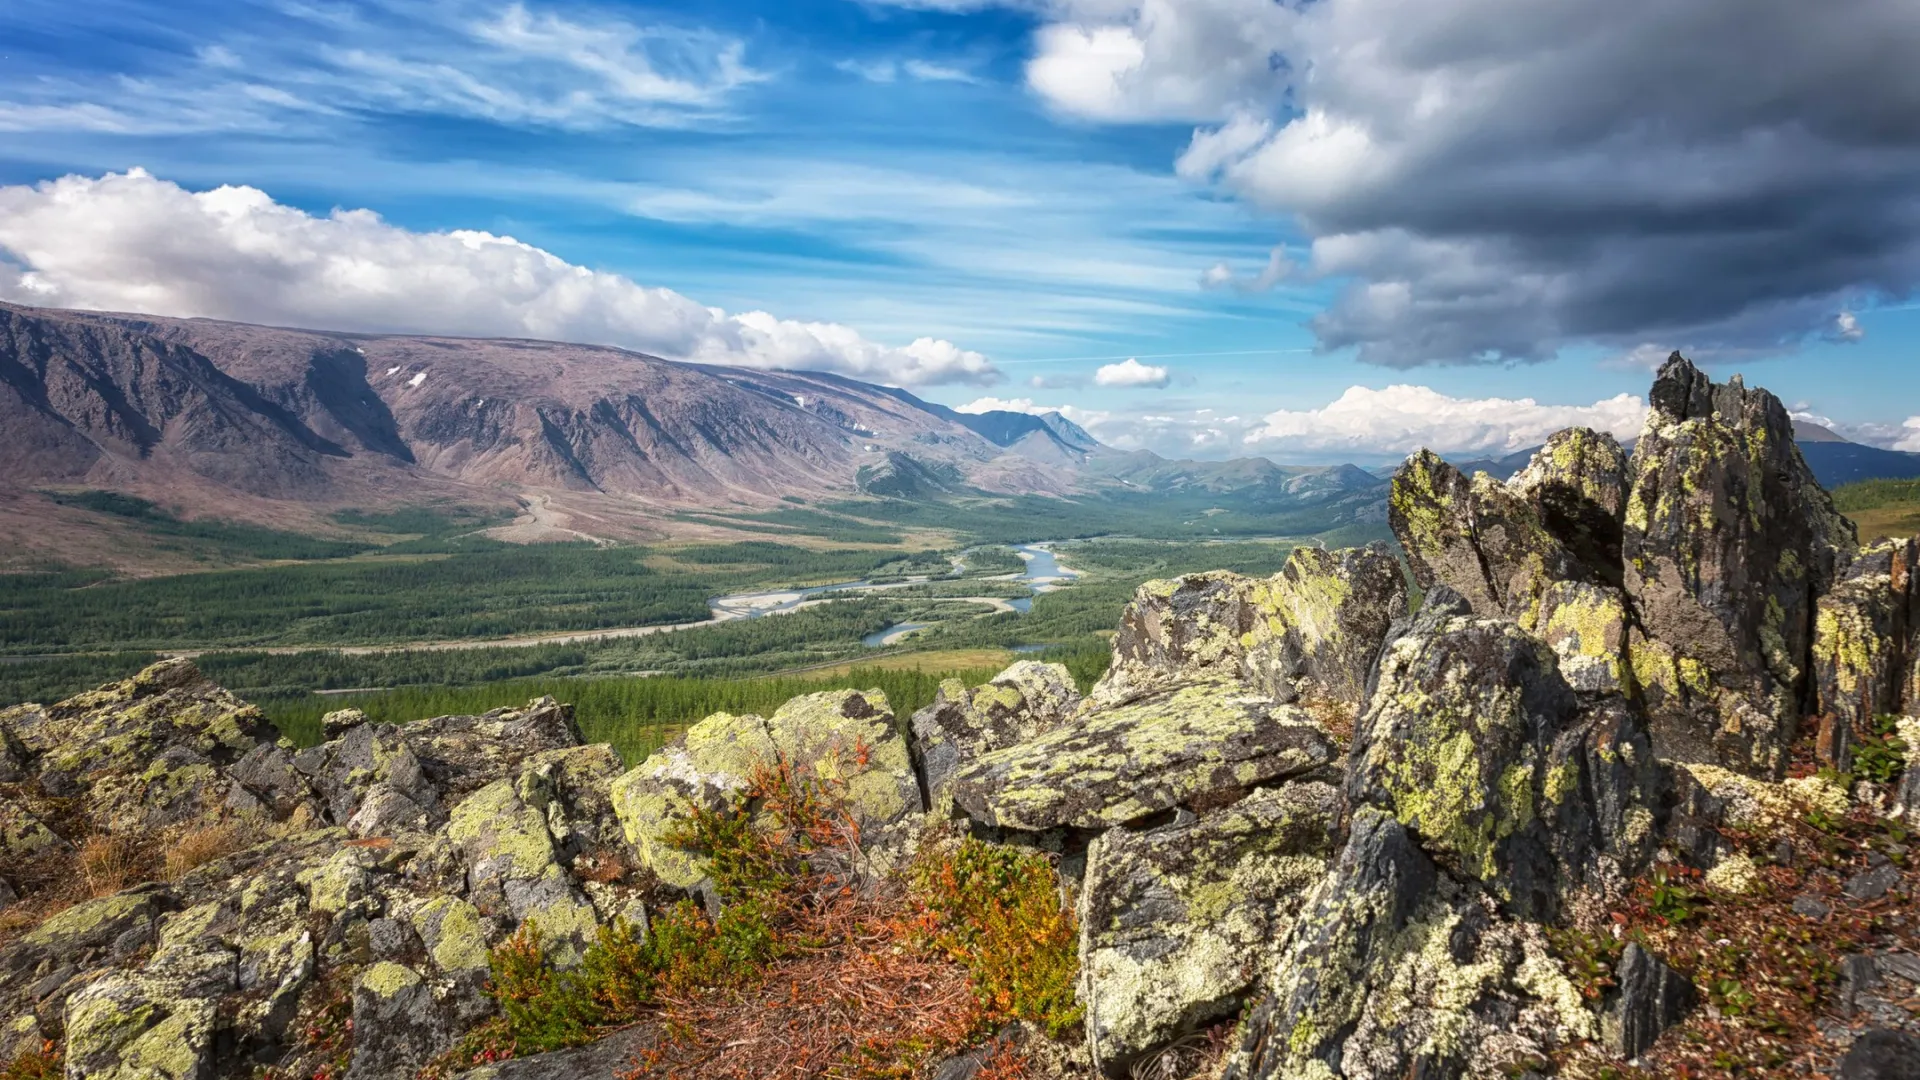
{"points": [[1314, 230]]}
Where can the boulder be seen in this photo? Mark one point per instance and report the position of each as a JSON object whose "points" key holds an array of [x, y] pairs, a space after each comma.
{"points": [[1866, 637], [397, 1025], [1023, 702], [372, 766], [1475, 742], [847, 739], [1180, 747], [1649, 998], [1308, 633], [514, 870], [1177, 923], [1882, 1054], [1727, 540], [1395, 971]]}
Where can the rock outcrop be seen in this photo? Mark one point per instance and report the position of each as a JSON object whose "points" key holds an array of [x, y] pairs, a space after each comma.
{"points": [[1683, 575], [1391, 844]]}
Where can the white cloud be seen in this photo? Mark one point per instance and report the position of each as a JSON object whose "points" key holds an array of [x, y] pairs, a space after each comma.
{"points": [[131, 242], [1145, 60], [1132, 373], [1278, 269], [1847, 328], [927, 71], [1911, 440], [1401, 419]]}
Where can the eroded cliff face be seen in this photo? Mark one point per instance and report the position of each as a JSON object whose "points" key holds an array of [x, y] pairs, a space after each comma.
{"points": [[1346, 838]]}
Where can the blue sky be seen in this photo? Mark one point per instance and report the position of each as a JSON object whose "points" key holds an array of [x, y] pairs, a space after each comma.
{"points": [[983, 174]]}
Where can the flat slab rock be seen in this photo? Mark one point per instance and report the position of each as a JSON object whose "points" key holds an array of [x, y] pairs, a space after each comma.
{"points": [[1131, 761]]}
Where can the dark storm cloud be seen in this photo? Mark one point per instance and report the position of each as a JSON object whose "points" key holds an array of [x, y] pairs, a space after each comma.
{"points": [[1501, 178]]}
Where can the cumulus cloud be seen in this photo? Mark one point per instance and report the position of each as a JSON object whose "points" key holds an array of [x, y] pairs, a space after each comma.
{"points": [[1401, 419], [1145, 60], [132, 242], [1718, 175], [1847, 328], [1910, 440], [1132, 373]]}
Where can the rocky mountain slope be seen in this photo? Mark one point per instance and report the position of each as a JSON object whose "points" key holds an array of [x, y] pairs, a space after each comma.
{"points": [[218, 417], [1629, 794]]}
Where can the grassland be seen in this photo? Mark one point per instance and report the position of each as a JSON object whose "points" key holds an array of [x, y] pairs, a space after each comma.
{"points": [[1881, 508]]}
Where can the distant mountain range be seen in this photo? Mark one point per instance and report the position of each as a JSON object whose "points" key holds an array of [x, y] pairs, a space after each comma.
{"points": [[244, 421], [1834, 459]]}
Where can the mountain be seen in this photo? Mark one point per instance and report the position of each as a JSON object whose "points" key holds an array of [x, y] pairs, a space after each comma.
{"points": [[273, 425]]}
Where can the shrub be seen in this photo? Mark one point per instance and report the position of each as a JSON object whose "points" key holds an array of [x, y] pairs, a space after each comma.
{"points": [[999, 912], [42, 1064]]}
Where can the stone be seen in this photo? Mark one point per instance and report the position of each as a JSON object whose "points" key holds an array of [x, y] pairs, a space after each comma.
{"points": [[1650, 998], [1475, 742], [1542, 549], [1128, 762], [336, 724], [1727, 540], [119, 1029], [1882, 1054], [397, 1026], [1177, 923], [1811, 907], [610, 1057], [1393, 971], [846, 739], [1023, 702], [514, 869], [1307, 634], [370, 763], [1872, 884], [1866, 633]]}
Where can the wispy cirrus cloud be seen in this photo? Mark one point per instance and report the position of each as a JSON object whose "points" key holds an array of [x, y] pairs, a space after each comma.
{"points": [[275, 65]]}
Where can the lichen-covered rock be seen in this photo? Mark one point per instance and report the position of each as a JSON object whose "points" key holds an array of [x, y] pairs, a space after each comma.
{"points": [[462, 754], [371, 764], [1727, 540], [1395, 971], [120, 1029], [144, 753], [1309, 632], [1127, 762], [1542, 549], [846, 738], [22, 834], [1023, 702], [1475, 742], [1866, 636], [1177, 923], [397, 1024], [1579, 482], [1478, 537], [515, 870]]}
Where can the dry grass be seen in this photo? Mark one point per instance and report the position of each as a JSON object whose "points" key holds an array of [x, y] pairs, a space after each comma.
{"points": [[200, 845], [109, 863], [1887, 521]]}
